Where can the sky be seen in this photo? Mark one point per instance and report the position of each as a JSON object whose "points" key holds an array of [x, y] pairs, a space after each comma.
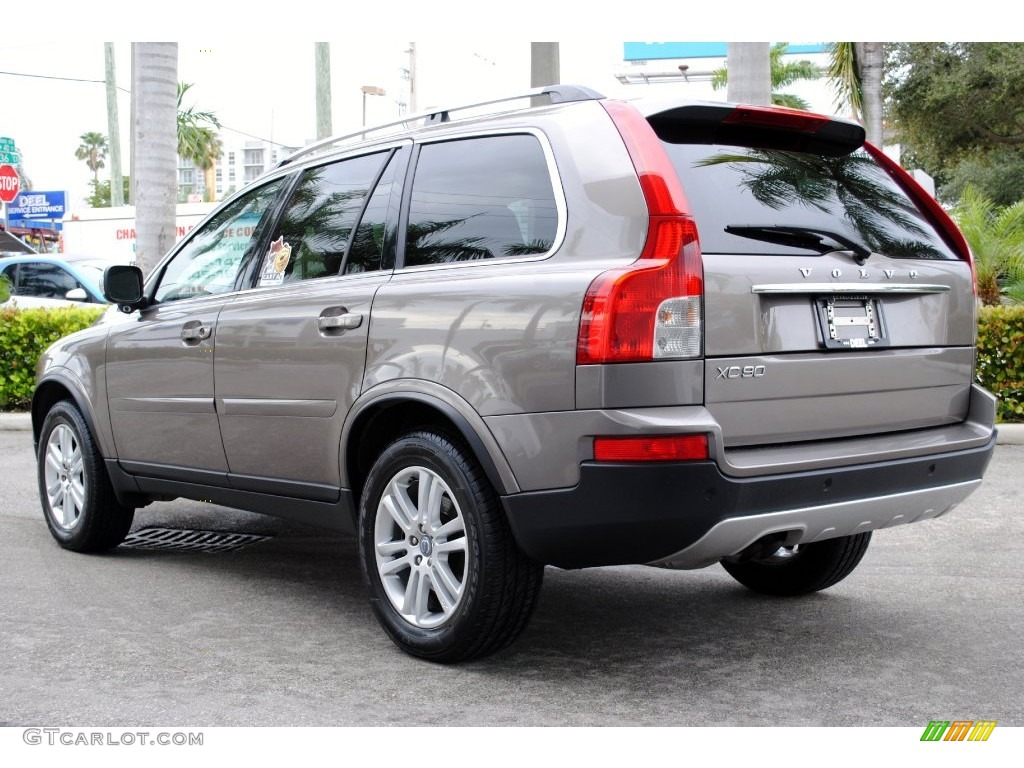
{"points": [[258, 93], [264, 89]]}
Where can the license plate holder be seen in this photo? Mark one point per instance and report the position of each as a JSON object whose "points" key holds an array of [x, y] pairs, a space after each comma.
{"points": [[851, 322]]}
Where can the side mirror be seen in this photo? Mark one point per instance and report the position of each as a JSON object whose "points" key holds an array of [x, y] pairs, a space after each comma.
{"points": [[122, 285], [76, 294]]}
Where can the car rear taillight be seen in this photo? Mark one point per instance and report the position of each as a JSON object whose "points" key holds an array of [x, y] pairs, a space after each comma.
{"points": [[928, 206], [651, 448], [650, 309]]}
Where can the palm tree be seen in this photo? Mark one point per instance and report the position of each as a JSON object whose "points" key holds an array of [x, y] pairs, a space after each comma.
{"points": [[856, 75], [93, 150], [996, 237], [154, 170], [197, 140], [783, 74]]}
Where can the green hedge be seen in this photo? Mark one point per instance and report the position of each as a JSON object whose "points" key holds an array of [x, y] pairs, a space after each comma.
{"points": [[1000, 367], [24, 334]]}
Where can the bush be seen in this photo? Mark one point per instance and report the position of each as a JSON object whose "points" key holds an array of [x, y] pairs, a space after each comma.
{"points": [[24, 336], [1000, 368]]}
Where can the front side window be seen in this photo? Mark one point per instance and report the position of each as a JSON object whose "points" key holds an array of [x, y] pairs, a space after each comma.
{"points": [[480, 198], [311, 239], [208, 264]]}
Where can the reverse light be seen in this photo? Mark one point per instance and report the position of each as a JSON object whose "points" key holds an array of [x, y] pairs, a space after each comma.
{"points": [[652, 448]]}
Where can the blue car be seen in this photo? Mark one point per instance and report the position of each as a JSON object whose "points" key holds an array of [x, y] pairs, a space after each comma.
{"points": [[45, 281]]}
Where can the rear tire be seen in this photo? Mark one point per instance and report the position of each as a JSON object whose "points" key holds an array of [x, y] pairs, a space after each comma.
{"points": [[447, 581], [79, 504], [802, 569]]}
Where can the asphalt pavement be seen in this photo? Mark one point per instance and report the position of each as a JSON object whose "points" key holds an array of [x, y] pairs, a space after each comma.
{"points": [[280, 633]]}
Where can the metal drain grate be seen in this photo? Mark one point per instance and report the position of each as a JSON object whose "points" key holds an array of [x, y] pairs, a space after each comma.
{"points": [[184, 540]]}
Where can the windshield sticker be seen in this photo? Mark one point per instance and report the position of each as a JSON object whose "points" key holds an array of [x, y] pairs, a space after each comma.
{"points": [[276, 263]]}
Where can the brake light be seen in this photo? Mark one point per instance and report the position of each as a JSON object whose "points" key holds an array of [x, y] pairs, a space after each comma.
{"points": [[650, 309], [928, 206], [776, 117], [653, 448]]}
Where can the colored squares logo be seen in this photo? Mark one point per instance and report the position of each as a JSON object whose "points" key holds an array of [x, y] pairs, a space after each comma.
{"points": [[958, 730]]}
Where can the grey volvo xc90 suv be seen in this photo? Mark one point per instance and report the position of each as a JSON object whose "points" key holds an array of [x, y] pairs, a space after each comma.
{"points": [[580, 332]]}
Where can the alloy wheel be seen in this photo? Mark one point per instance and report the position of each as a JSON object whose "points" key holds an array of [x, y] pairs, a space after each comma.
{"points": [[420, 547]]}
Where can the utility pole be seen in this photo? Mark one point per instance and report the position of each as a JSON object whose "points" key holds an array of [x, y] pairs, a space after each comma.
{"points": [[412, 78], [750, 76], [323, 90], [544, 64], [113, 128]]}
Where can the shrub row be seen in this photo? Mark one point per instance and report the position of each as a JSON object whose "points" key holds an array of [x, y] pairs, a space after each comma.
{"points": [[1000, 365], [24, 334]]}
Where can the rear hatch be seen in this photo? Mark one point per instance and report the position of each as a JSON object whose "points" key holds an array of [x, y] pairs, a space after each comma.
{"points": [[835, 305]]}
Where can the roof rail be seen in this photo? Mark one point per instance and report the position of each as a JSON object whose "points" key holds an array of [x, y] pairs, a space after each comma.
{"points": [[558, 94]]}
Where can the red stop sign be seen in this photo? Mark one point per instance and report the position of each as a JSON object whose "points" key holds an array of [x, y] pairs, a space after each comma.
{"points": [[9, 183]]}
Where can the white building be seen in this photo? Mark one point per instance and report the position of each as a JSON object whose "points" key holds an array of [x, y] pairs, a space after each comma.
{"points": [[242, 161]]}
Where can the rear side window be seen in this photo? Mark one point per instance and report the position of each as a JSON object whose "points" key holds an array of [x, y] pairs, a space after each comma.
{"points": [[480, 198], [771, 201], [373, 244], [314, 231]]}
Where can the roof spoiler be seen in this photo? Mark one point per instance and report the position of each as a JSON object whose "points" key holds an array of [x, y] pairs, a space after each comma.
{"points": [[756, 126]]}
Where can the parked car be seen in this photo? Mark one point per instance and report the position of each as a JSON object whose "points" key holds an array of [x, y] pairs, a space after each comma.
{"points": [[578, 333], [47, 281]]}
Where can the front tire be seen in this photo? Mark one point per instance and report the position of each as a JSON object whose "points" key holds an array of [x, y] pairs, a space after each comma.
{"points": [[447, 581], [79, 504], [799, 570]]}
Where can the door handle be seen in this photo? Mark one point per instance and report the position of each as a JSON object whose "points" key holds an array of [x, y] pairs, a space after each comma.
{"points": [[191, 333], [343, 322]]}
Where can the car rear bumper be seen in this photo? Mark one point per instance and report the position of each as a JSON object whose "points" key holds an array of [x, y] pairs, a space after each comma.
{"points": [[690, 514]]}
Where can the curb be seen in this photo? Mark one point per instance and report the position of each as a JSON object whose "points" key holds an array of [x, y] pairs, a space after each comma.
{"points": [[1009, 434], [15, 422]]}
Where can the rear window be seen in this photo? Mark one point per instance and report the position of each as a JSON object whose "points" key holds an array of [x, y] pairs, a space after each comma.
{"points": [[779, 202]]}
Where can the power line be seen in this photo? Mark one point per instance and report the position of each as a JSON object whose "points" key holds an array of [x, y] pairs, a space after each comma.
{"points": [[125, 90], [54, 77]]}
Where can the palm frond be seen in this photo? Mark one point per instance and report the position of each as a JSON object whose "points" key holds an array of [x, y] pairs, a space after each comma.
{"points": [[844, 72]]}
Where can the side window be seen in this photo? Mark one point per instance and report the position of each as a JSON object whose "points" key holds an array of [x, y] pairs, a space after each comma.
{"points": [[209, 263], [373, 245], [45, 281], [481, 198], [314, 231]]}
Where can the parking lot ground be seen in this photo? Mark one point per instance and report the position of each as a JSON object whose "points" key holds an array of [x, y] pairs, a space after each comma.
{"points": [[280, 632]]}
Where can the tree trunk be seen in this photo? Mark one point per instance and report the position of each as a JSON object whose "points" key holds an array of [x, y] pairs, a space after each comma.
{"points": [[750, 74], [154, 137], [871, 58]]}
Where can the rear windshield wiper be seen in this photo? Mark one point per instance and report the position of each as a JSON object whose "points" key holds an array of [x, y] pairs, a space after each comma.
{"points": [[803, 237]]}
